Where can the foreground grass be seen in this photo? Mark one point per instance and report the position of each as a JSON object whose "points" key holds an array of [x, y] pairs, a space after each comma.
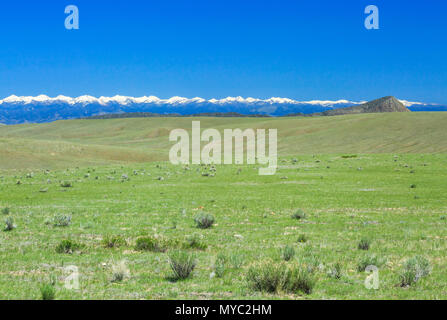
{"points": [[397, 202]]}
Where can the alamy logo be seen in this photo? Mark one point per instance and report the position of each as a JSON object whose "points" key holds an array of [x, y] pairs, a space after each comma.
{"points": [[71, 282], [372, 21], [212, 151], [72, 20], [372, 280]]}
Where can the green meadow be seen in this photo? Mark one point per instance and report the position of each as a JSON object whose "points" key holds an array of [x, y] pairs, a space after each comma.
{"points": [[349, 192]]}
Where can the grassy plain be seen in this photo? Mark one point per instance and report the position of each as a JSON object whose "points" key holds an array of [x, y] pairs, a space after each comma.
{"points": [[392, 192], [80, 143]]}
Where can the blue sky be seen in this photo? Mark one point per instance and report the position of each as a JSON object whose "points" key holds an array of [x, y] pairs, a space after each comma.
{"points": [[216, 48]]}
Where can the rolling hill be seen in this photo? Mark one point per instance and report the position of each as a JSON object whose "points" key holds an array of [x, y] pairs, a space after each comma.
{"points": [[385, 104], [69, 143]]}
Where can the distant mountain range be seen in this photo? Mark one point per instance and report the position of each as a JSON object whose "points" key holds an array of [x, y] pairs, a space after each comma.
{"points": [[15, 110]]}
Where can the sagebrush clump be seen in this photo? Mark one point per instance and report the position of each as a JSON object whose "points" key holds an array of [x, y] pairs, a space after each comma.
{"points": [[67, 246], [364, 244], [113, 241], [299, 215], [204, 220], [220, 265], [335, 271], [66, 184], [414, 269], [182, 264], [299, 279], [120, 271], [9, 224], [287, 253], [153, 244], [369, 260], [273, 277], [61, 220], [48, 291], [267, 276]]}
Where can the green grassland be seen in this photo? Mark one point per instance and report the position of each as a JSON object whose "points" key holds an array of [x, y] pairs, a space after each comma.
{"points": [[99, 142], [391, 189]]}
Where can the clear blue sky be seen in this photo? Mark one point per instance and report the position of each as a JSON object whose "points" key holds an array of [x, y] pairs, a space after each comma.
{"points": [[217, 48]]}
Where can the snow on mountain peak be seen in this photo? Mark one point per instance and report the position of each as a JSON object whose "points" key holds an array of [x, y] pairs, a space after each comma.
{"points": [[176, 100], [19, 109], [411, 103], [85, 99]]}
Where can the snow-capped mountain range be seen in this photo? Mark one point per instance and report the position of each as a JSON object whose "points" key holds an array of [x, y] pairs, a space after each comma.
{"points": [[42, 108], [126, 100]]}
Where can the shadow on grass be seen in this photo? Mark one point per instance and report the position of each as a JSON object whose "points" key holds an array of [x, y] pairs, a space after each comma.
{"points": [[173, 279]]}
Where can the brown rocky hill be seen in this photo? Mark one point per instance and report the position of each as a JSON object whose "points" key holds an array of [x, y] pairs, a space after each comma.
{"points": [[385, 104]]}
